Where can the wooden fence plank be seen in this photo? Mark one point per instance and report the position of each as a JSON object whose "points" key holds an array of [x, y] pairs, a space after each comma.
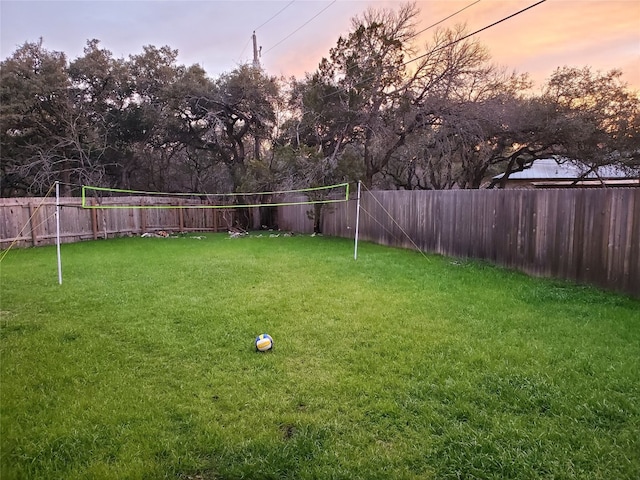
{"points": [[94, 221], [33, 224]]}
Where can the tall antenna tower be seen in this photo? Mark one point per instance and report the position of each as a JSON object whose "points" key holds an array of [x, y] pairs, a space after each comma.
{"points": [[256, 60]]}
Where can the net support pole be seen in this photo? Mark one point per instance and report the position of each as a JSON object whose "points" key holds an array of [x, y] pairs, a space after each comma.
{"points": [[355, 247], [58, 232]]}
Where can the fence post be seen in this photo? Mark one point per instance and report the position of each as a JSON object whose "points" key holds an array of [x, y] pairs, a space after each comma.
{"points": [[143, 218], [94, 219], [181, 215], [32, 225]]}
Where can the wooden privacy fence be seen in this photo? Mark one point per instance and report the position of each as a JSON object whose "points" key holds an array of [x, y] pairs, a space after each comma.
{"points": [[32, 222], [584, 235]]}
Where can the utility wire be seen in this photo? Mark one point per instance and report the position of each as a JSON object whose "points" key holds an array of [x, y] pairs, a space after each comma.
{"points": [[243, 49], [17, 237], [441, 21], [442, 47], [393, 220], [275, 15], [474, 33], [301, 26], [445, 19], [262, 25]]}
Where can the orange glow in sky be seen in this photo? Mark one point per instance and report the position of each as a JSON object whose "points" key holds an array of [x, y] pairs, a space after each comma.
{"points": [[603, 34]]}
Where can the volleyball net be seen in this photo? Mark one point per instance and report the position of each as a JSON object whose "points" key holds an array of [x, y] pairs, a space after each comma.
{"points": [[115, 198]]}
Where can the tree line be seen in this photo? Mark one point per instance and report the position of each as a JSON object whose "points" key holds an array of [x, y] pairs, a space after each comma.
{"points": [[375, 109]]}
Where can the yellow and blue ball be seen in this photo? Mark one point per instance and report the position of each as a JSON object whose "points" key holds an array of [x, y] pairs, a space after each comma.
{"points": [[264, 342]]}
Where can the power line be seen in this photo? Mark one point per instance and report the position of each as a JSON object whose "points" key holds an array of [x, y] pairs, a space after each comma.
{"points": [[445, 19], [301, 26], [244, 48], [414, 35], [334, 1], [442, 47], [263, 24], [275, 15], [474, 33]]}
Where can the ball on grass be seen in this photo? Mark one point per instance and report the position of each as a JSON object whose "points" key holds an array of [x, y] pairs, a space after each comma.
{"points": [[264, 342]]}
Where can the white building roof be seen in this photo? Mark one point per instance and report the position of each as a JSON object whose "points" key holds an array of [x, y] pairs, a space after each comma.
{"points": [[550, 169]]}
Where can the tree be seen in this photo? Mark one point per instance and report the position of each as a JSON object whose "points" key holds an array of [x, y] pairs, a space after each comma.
{"points": [[373, 110], [56, 122], [33, 103], [365, 72], [149, 138], [47, 133], [585, 117], [344, 105], [456, 99], [102, 90], [371, 97], [314, 147], [234, 115]]}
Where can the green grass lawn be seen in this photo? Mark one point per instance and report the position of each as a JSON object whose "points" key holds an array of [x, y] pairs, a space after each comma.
{"points": [[397, 365]]}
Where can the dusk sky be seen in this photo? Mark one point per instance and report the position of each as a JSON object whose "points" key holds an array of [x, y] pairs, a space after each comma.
{"points": [[294, 36]]}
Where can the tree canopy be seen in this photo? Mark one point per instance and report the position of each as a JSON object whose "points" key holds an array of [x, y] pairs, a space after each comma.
{"points": [[379, 108]]}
